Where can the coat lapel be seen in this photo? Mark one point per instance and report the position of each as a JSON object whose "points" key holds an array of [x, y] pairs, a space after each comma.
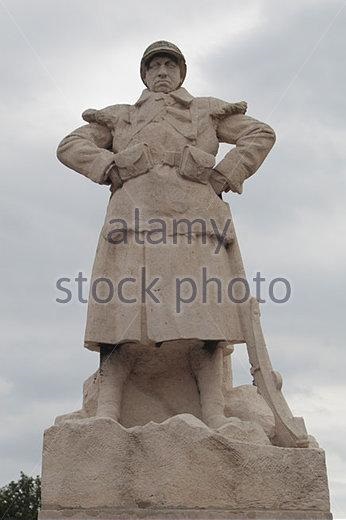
{"points": [[145, 110]]}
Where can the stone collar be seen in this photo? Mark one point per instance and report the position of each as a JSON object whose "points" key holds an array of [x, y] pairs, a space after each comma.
{"points": [[181, 95]]}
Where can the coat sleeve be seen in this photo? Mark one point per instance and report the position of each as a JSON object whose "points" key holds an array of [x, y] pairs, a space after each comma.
{"points": [[253, 141], [86, 150]]}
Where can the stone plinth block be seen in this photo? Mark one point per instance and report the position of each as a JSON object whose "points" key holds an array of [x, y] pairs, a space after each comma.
{"points": [[95, 468]]}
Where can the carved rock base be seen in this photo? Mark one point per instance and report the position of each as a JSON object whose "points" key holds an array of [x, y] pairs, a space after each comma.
{"points": [[95, 468]]}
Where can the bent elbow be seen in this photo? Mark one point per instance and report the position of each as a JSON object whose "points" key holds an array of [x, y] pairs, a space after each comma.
{"points": [[60, 150], [271, 135], [63, 151]]}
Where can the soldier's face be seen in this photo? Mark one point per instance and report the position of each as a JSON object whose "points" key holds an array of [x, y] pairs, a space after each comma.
{"points": [[163, 74]]}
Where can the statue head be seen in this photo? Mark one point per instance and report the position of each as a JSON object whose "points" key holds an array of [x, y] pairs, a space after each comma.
{"points": [[163, 67]]}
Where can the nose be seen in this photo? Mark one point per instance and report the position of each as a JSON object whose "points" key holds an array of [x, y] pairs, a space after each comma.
{"points": [[162, 71]]}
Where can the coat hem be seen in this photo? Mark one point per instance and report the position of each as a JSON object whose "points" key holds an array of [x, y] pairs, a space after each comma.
{"points": [[95, 345]]}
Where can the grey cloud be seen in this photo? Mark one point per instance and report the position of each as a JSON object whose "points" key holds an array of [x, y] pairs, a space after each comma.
{"points": [[261, 65]]}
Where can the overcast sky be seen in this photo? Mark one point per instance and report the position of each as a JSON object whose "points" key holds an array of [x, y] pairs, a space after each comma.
{"points": [[288, 62]]}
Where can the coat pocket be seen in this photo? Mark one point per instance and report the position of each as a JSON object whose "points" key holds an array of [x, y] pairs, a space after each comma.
{"points": [[133, 161], [196, 164]]}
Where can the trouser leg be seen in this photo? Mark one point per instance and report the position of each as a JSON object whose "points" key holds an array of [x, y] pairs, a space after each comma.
{"points": [[207, 364], [115, 367]]}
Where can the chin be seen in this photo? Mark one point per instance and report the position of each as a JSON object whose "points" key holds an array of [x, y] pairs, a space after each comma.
{"points": [[165, 90]]}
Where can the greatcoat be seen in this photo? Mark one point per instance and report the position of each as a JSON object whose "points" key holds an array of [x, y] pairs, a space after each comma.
{"points": [[163, 148]]}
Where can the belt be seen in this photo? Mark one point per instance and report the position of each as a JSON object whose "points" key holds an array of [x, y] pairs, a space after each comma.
{"points": [[171, 158], [192, 163]]}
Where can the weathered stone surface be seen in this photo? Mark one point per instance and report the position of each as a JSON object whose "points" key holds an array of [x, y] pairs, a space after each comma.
{"points": [[161, 386], [180, 464], [182, 514], [244, 431], [247, 404]]}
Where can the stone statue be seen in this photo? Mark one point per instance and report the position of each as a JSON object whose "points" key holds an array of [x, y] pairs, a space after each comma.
{"points": [[167, 303], [158, 156]]}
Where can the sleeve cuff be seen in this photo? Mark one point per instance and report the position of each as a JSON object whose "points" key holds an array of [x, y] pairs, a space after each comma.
{"points": [[234, 179]]}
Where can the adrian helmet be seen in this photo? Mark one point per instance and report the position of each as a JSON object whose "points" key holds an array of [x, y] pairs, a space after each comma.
{"points": [[163, 47]]}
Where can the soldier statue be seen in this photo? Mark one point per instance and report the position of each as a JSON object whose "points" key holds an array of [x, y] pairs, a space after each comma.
{"points": [[166, 222]]}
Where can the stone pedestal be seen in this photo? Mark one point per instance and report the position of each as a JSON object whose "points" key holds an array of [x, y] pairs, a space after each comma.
{"points": [[94, 468]]}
